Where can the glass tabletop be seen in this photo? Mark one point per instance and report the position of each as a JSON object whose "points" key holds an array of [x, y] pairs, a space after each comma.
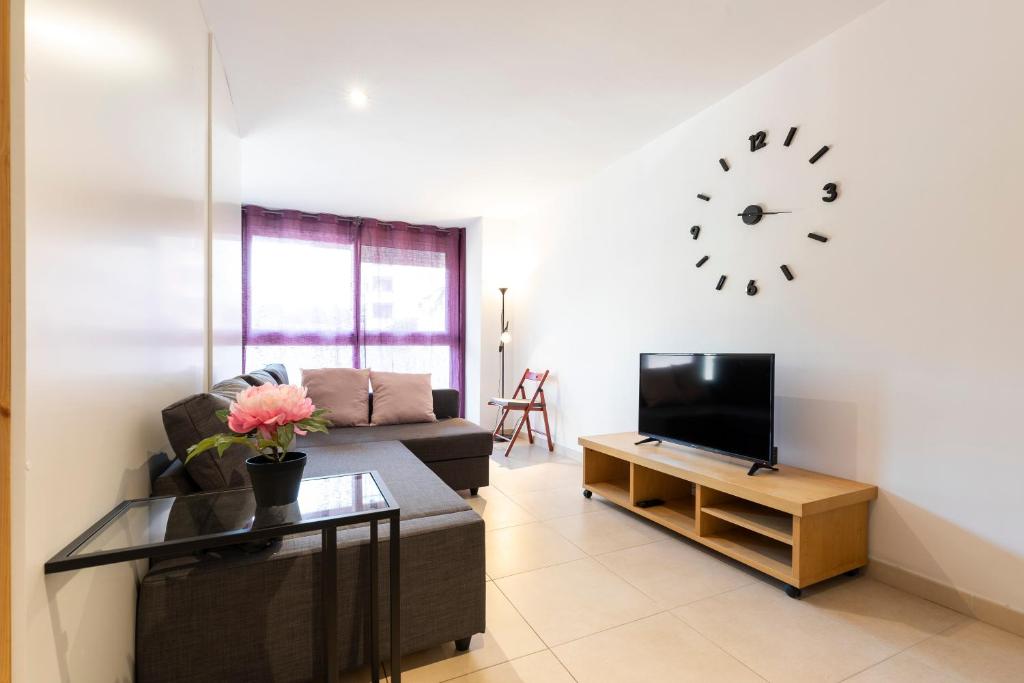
{"points": [[155, 521]]}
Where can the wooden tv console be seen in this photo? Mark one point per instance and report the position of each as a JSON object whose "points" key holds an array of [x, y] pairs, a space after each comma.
{"points": [[799, 526]]}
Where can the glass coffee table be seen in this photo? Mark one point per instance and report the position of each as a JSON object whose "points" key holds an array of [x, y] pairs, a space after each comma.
{"points": [[172, 526]]}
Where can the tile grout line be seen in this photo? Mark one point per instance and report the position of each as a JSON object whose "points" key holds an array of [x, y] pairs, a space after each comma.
{"points": [[753, 581], [521, 616], [563, 665], [609, 628], [910, 647], [494, 581], [536, 569], [594, 557], [715, 643], [682, 604], [532, 629]]}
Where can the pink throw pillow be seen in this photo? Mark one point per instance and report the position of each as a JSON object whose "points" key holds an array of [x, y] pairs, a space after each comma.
{"points": [[344, 392], [400, 398]]}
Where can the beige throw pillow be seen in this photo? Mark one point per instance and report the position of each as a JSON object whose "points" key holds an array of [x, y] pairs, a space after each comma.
{"points": [[400, 398], [343, 392]]}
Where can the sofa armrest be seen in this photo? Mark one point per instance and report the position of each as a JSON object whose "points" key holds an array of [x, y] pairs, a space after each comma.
{"points": [[446, 403], [174, 481]]}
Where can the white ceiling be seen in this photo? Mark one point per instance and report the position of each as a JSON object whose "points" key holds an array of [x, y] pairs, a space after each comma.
{"points": [[480, 107]]}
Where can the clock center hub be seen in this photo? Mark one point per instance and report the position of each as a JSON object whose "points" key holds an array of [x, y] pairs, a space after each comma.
{"points": [[752, 214]]}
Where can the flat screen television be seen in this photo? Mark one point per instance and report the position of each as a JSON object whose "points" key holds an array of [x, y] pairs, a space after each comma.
{"points": [[719, 402]]}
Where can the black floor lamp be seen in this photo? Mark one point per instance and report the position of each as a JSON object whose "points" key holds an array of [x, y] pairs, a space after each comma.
{"points": [[504, 338]]}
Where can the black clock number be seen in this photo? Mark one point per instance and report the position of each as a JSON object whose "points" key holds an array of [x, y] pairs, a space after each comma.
{"points": [[758, 140], [753, 213]]}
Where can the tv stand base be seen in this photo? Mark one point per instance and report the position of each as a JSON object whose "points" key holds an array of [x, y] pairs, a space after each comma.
{"points": [[798, 526], [649, 439], [760, 466]]}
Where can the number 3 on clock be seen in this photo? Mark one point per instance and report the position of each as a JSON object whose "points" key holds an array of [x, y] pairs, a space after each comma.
{"points": [[758, 140], [831, 192]]}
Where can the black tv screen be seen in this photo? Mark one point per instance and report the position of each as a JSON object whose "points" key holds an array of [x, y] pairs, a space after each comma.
{"points": [[721, 402]]}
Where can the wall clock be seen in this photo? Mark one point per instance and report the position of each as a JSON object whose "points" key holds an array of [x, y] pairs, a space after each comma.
{"points": [[759, 215]]}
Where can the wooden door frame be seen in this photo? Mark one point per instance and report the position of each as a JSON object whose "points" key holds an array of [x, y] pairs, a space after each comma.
{"points": [[5, 342]]}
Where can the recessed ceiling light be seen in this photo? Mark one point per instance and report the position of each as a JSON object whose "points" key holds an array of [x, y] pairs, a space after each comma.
{"points": [[357, 98]]}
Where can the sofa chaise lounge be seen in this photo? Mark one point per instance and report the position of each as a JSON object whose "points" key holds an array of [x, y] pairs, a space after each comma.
{"points": [[253, 616]]}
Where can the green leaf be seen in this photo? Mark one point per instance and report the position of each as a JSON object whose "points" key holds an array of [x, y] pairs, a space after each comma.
{"points": [[221, 442], [286, 436], [314, 424], [222, 415]]}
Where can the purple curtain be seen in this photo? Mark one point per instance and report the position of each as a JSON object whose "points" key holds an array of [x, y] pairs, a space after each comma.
{"points": [[320, 290]]}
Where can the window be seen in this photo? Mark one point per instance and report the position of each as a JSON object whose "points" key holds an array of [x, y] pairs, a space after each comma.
{"points": [[326, 291]]}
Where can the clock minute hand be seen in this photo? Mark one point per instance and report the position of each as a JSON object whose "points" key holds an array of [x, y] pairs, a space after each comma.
{"points": [[761, 213]]}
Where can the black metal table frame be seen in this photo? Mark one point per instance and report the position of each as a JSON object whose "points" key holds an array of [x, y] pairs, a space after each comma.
{"points": [[64, 561]]}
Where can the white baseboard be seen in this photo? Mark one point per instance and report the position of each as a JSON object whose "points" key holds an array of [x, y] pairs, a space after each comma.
{"points": [[982, 609]]}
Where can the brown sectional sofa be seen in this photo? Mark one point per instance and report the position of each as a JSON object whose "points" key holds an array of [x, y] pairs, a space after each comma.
{"points": [[455, 449], [252, 616]]}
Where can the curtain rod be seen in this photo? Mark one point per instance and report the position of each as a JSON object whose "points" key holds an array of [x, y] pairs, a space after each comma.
{"points": [[354, 219]]}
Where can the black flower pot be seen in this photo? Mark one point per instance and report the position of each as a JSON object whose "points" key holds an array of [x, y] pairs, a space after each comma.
{"points": [[276, 483]]}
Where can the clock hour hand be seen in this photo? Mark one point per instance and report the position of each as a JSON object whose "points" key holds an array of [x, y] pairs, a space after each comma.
{"points": [[753, 214]]}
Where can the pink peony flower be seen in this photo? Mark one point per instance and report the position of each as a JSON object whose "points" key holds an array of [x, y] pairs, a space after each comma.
{"points": [[267, 407]]}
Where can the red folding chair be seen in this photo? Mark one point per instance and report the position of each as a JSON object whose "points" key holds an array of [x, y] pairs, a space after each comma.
{"points": [[520, 402]]}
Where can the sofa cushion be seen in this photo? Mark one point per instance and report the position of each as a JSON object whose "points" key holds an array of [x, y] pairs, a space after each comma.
{"points": [[419, 492], [343, 392], [191, 420], [278, 371], [450, 439], [446, 403], [401, 398], [258, 377], [269, 374]]}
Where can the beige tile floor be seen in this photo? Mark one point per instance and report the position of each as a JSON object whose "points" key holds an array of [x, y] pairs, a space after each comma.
{"points": [[580, 590]]}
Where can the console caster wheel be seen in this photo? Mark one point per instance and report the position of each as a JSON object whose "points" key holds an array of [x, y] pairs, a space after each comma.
{"points": [[852, 572], [587, 493], [794, 592]]}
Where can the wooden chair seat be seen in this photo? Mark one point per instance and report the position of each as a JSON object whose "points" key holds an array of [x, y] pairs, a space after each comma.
{"points": [[519, 402], [515, 403]]}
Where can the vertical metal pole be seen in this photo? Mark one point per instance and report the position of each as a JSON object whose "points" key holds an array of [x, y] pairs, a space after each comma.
{"points": [[501, 389], [329, 600], [374, 606], [396, 601]]}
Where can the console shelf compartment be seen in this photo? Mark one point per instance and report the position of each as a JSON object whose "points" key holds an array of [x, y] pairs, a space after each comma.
{"points": [[677, 515], [616, 491], [608, 476], [679, 509], [798, 526], [774, 524], [753, 549]]}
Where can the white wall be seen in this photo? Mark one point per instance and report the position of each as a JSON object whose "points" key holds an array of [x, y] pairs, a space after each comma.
{"points": [[110, 300], [225, 288], [474, 318], [898, 343]]}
